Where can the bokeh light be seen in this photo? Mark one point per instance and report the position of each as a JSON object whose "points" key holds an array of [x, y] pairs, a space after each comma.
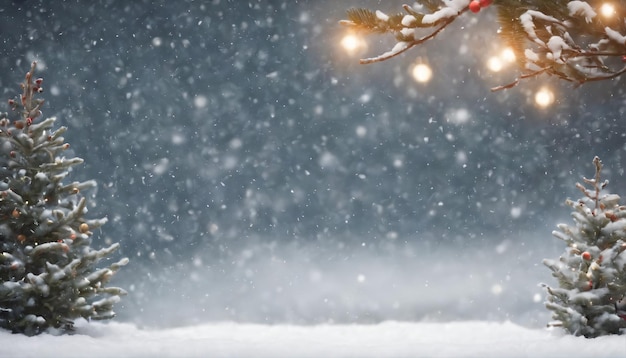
{"points": [[508, 55], [498, 62], [352, 43], [421, 72], [544, 97], [495, 64], [607, 10]]}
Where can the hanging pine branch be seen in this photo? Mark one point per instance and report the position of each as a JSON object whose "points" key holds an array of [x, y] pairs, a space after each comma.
{"points": [[570, 40]]}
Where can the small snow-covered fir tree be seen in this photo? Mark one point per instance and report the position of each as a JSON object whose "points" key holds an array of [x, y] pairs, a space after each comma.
{"points": [[48, 272], [577, 41], [590, 299]]}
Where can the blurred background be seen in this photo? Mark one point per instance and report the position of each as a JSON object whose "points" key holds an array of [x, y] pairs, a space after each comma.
{"points": [[253, 171]]}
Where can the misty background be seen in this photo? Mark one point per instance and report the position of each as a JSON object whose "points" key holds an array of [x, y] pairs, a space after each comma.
{"points": [[253, 171]]}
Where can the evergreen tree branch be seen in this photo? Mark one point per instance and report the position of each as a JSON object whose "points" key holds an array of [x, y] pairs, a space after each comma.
{"points": [[591, 274], [561, 38], [48, 272]]}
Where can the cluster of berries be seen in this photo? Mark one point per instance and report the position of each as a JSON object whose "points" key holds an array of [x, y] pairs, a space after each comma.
{"points": [[476, 5], [29, 105]]}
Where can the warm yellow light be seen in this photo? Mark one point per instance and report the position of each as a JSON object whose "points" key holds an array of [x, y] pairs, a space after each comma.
{"points": [[422, 73], [607, 10], [508, 55], [544, 97], [494, 64], [351, 43], [497, 63]]}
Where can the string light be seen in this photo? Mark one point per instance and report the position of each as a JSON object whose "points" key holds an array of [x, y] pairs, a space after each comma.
{"points": [[495, 64], [352, 43], [544, 97], [508, 55], [607, 10], [421, 72], [498, 62]]}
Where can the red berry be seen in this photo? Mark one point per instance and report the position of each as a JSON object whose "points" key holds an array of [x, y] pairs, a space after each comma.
{"points": [[485, 3], [474, 6], [39, 81], [586, 256]]}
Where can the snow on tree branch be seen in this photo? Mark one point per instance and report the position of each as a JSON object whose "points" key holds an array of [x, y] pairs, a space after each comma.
{"points": [[576, 41], [49, 274]]}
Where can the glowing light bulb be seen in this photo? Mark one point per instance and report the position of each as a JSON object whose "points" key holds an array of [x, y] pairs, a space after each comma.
{"points": [[508, 55], [351, 43], [422, 73], [544, 97], [494, 64], [497, 63], [607, 10]]}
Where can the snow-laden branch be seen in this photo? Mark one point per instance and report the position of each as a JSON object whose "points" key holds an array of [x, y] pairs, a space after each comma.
{"points": [[570, 42]]}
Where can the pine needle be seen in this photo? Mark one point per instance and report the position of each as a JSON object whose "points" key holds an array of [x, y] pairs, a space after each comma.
{"points": [[367, 20]]}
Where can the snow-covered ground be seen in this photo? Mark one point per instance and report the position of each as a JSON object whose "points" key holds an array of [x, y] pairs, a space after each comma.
{"points": [[387, 339], [420, 301], [444, 304]]}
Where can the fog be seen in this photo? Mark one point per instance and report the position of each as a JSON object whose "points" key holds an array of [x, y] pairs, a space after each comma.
{"points": [[254, 172]]}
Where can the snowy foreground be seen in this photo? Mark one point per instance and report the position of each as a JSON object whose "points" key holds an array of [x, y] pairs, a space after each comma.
{"points": [[388, 339]]}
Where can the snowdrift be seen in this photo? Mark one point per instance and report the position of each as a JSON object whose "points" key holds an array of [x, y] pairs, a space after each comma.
{"points": [[388, 339]]}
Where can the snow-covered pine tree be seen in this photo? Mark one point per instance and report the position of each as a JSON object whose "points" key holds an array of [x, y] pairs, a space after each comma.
{"points": [[48, 273], [591, 297], [577, 41]]}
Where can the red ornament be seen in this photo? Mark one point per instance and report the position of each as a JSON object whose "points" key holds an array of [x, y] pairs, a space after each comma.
{"points": [[485, 3], [474, 6], [586, 256]]}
